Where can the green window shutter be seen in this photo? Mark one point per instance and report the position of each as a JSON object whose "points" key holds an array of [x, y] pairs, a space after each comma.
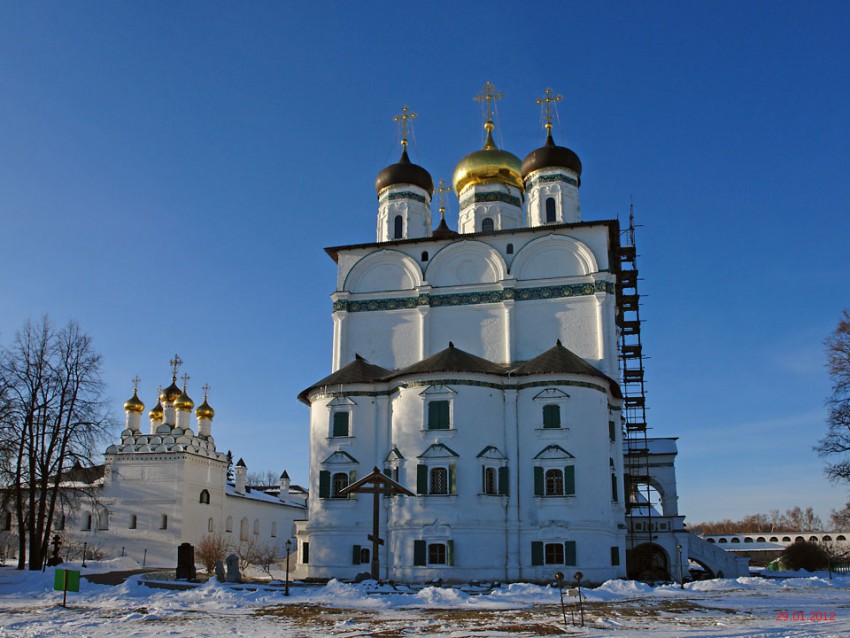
{"points": [[612, 431], [613, 487], [419, 553], [615, 556], [538, 481], [570, 480], [340, 424], [438, 415], [352, 476], [421, 479], [450, 552], [355, 555], [536, 553], [324, 484], [452, 478], [570, 553], [503, 481], [551, 416]]}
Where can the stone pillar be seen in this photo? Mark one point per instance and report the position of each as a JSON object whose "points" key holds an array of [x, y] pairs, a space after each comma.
{"points": [[186, 562]]}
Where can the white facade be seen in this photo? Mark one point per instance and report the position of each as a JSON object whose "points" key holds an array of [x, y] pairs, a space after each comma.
{"points": [[477, 370]]}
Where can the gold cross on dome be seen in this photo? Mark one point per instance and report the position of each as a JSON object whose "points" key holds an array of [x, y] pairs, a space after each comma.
{"points": [[489, 95], [404, 117], [546, 103], [136, 380], [442, 189], [206, 389], [175, 363], [185, 378]]}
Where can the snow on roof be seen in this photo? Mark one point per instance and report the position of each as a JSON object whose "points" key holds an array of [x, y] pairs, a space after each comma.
{"points": [[260, 496]]}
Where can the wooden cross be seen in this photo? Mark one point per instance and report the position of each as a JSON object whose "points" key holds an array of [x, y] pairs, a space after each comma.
{"points": [[404, 117], [175, 363], [489, 94], [547, 102]]}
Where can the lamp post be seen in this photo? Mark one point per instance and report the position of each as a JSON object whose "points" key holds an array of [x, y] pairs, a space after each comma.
{"points": [[578, 577], [85, 547], [559, 578], [681, 567], [288, 545]]}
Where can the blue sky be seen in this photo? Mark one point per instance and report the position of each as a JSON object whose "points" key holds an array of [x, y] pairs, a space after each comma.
{"points": [[170, 172]]}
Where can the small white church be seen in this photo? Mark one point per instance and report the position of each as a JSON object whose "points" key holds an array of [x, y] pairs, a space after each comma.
{"points": [[479, 369]]}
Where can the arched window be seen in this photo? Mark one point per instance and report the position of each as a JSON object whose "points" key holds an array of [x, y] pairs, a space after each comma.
{"points": [[256, 526], [554, 483], [274, 529], [398, 227], [424, 255], [339, 482], [439, 478], [163, 521], [228, 525], [487, 225], [87, 522], [243, 530], [103, 519], [205, 497], [510, 249], [133, 521], [550, 210], [210, 525], [490, 480]]}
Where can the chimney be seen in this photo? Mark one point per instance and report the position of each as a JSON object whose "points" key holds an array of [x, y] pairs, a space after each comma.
{"points": [[284, 486], [241, 473]]}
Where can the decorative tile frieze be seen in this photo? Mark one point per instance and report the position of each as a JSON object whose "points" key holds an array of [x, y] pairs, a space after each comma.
{"points": [[557, 177], [402, 195], [474, 298], [479, 198]]}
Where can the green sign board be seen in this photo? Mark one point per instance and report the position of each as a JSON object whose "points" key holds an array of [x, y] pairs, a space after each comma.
{"points": [[66, 580]]}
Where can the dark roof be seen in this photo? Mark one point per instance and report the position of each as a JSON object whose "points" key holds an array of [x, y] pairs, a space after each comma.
{"points": [[442, 231], [551, 155], [77, 473], [559, 360], [240, 463], [404, 172], [358, 371], [452, 360]]}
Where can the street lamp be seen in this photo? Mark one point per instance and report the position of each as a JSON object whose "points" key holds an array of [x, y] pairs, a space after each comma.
{"points": [[578, 576], [681, 568], [288, 545], [559, 578]]}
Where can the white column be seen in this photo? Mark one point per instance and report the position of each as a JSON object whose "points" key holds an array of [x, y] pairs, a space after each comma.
{"points": [[509, 330], [340, 320], [512, 522]]}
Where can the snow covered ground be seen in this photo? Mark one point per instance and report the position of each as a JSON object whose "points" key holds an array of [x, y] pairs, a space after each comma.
{"points": [[751, 607]]}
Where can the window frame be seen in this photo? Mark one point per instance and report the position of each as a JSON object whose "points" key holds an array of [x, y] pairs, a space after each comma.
{"points": [[551, 416], [434, 420], [335, 414], [550, 213]]}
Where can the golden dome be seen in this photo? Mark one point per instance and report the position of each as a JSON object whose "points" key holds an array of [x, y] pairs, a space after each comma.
{"points": [[156, 412], [205, 411], [171, 392], [183, 402], [490, 164], [134, 404]]}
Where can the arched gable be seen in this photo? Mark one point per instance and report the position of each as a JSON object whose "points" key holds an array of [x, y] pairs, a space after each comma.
{"points": [[465, 263], [383, 271], [553, 256]]}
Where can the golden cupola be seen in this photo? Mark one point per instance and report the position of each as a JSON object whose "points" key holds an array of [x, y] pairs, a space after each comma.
{"points": [[205, 411], [170, 394], [183, 403], [134, 404], [490, 164], [156, 412]]}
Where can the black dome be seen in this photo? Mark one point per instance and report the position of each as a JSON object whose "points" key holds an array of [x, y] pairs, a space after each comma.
{"points": [[550, 155], [404, 172]]}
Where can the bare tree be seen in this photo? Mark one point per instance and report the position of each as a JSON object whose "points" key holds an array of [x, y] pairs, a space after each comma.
{"points": [[836, 443], [794, 519], [269, 478], [52, 417], [840, 519], [211, 549]]}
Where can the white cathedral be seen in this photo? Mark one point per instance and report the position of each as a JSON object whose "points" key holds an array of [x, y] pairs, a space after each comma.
{"points": [[478, 368]]}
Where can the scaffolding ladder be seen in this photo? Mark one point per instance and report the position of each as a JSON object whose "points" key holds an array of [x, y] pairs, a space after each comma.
{"points": [[638, 492]]}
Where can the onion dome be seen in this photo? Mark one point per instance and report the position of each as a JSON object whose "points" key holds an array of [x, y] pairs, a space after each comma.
{"points": [[156, 412], [551, 155], [183, 402], [205, 411], [134, 404], [171, 392], [490, 164], [404, 172]]}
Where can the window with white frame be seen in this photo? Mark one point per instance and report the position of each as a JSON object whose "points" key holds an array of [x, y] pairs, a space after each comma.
{"points": [[552, 403], [336, 475], [554, 472], [553, 553], [438, 401], [436, 473], [433, 553], [494, 472]]}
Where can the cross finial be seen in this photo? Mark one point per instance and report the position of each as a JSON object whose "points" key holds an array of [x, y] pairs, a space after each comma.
{"points": [[404, 117], [136, 380], [185, 378], [206, 389], [546, 103], [442, 189], [175, 363], [489, 95]]}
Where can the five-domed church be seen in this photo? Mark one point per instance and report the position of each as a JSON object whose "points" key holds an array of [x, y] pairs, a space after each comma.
{"points": [[476, 367]]}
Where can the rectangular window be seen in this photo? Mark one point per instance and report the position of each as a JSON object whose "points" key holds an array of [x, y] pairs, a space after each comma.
{"points": [[615, 556], [489, 481], [436, 554], [305, 552], [551, 416], [133, 521], [612, 431], [438, 415], [87, 522], [341, 423], [614, 487], [554, 554]]}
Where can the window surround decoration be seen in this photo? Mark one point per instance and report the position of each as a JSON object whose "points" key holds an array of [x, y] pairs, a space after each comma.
{"points": [[436, 473], [438, 408], [338, 471], [552, 411], [554, 473], [494, 472], [340, 426], [551, 552], [436, 553]]}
